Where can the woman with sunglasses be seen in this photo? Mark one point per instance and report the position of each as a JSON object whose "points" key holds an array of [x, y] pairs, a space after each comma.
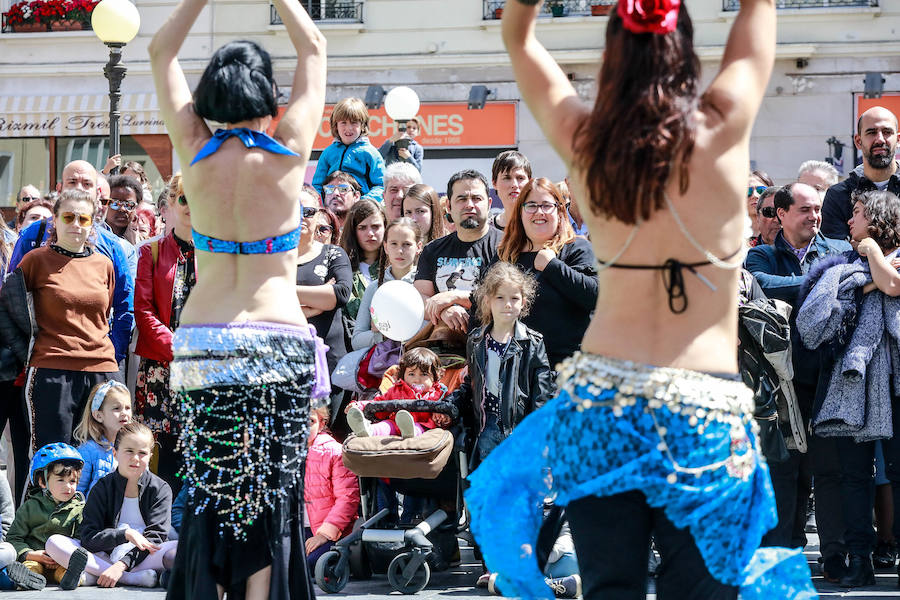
{"points": [[652, 433], [72, 290], [758, 183], [327, 229], [540, 240], [166, 273]]}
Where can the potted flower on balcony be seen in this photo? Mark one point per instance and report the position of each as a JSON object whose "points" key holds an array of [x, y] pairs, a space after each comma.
{"points": [[25, 16], [77, 14], [557, 8]]}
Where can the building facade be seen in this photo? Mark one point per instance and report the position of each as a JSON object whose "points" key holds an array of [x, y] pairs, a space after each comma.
{"points": [[54, 103]]}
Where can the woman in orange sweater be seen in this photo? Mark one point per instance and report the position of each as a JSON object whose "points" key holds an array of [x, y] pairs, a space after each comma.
{"points": [[72, 290]]}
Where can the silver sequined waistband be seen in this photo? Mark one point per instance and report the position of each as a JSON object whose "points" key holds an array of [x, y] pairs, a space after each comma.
{"points": [[660, 386], [251, 353]]}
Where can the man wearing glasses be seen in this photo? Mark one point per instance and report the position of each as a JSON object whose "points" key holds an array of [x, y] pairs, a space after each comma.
{"points": [[767, 222], [341, 192], [26, 195]]}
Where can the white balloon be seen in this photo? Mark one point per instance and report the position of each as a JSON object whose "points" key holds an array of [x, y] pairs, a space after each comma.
{"points": [[397, 310]]}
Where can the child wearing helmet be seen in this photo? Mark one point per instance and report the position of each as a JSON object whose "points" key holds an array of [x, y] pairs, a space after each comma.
{"points": [[56, 508]]}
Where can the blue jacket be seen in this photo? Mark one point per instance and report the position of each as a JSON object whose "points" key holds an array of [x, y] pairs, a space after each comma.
{"points": [[98, 463], [108, 244], [360, 159], [777, 269]]}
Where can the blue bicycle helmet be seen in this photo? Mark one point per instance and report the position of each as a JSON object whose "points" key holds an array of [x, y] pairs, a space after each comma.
{"points": [[50, 454]]}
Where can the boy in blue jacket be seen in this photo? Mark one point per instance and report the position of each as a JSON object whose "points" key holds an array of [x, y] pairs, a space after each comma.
{"points": [[351, 151]]}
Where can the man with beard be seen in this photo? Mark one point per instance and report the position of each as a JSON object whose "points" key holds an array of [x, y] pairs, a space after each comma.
{"points": [[876, 137], [341, 192], [450, 267]]}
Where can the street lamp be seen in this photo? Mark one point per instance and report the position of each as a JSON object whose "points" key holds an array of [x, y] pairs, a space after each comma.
{"points": [[401, 104], [115, 22]]}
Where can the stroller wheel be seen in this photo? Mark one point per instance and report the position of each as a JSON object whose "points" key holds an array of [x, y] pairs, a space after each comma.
{"points": [[414, 584], [332, 574]]}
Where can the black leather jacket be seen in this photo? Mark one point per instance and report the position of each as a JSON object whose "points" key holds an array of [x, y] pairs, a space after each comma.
{"points": [[18, 325], [525, 376]]}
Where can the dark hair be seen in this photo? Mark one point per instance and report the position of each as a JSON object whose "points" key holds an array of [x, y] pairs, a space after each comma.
{"points": [[345, 178], [515, 241], [44, 202], [426, 194], [882, 209], [463, 175], [763, 176], [333, 222], [63, 468], [361, 210], [383, 262], [129, 182], [237, 84], [138, 168], [509, 161], [423, 359], [642, 123], [784, 197], [133, 428]]}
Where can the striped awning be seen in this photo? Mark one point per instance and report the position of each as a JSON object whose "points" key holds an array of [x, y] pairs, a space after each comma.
{"points": [[82, 115]]}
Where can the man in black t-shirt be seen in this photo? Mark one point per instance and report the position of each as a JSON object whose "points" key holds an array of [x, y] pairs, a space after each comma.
{"points": [[450, 267]]}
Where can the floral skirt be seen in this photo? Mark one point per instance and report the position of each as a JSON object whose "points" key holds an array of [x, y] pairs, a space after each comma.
{"points": [[686, 440], [153, 399]]}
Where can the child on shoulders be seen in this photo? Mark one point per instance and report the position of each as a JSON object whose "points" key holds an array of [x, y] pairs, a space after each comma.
{"points": [[126, 520], [107, 410], [55, 509], [351, 151], [419, 379]]}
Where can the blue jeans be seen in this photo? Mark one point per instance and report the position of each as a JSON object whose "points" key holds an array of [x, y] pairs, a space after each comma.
{"points": [[490, 437], [313, 556]]}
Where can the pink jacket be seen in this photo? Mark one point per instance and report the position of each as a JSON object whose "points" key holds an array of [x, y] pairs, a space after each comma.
{"points": [[331, 491]]}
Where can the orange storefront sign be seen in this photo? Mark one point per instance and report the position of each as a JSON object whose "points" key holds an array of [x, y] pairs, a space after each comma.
{"points": [[444, 125], [888, 101]]}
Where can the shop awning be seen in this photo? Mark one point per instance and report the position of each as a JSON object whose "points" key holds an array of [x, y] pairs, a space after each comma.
{"points": [[76, 116]]}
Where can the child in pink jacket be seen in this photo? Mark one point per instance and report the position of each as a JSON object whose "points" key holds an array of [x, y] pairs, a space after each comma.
{"points": [[331, 491]]}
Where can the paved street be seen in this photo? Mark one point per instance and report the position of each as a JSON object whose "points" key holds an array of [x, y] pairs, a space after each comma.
{"points": [[454, 583]]}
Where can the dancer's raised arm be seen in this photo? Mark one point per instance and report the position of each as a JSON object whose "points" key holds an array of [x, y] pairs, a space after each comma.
{"points": [[297, 127], [186, 129], [544, 87], [737, 91]]}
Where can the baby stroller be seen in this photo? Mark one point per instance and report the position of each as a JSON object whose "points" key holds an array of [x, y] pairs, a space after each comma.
{"points": [[432, 466]]}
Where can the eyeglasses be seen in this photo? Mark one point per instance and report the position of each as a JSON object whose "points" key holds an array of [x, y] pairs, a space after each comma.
{"points": [[309, 212], [324, 229], [759, 189], [341, 188], [768, 212], [84, 220], [122, 205], [104, 201], [182, 200], [533, 207]]}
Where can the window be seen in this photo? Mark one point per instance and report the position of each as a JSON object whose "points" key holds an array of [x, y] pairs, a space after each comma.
{"points": [[339, 11]]}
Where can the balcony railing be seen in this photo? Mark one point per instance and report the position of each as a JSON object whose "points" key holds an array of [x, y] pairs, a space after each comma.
{"points": [[493, 9], [734, 5], [326, 10]]}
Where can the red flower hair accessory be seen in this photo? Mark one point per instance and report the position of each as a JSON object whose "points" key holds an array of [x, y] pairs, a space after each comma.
{"points": [[649, 16]]}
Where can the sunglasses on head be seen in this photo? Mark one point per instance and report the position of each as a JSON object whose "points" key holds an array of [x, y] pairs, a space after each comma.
{"points": [[84, 220], [759, 189], [768, 212], [308, 212]]}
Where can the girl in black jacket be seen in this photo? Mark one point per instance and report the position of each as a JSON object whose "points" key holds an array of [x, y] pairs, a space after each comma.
{"points": [[126, 520], [509, 375]]}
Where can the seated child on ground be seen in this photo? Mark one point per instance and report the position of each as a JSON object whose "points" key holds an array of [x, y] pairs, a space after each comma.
{"points": [[331, 491], [420, 374], [53, 509], [7, 514], [107, 410], [351, 151], [123, 535]]}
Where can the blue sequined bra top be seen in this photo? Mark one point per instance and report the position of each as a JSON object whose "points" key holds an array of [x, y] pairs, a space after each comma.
{"points": [[279, 243]]}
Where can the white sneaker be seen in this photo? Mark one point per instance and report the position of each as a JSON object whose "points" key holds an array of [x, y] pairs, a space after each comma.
{"points": [[88, 579], [358, 423], [405, 424], [146, 578]]}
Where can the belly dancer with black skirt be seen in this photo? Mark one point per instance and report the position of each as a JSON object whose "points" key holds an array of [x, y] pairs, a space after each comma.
{"points": [[247, 365], [652, 432]]}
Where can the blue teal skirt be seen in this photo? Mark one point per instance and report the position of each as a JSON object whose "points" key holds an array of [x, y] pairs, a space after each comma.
{"points": [[686, 440]]}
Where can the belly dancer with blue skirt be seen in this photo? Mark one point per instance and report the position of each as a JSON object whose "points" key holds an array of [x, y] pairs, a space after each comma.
{"points": [[247, 366], [652, 432]]}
